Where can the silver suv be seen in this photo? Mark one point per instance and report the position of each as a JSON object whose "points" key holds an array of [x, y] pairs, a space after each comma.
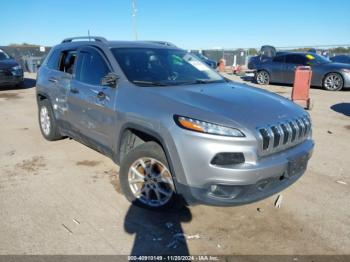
{"points": [[178, 130]]}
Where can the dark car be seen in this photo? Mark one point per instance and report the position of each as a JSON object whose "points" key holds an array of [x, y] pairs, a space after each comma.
{"points": [[345, 59], [11, 73], [281, 69]]}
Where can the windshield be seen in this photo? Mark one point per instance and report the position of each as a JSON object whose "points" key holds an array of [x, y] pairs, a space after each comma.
{"points": [[3, 55], [200, 56], [162, 67], [316, 59]]}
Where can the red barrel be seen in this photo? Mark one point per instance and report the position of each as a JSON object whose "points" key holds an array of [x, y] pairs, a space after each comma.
{"points": [[301, 87]]}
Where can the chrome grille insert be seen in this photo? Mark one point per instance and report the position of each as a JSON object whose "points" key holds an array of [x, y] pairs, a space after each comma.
{"points": [[283, 135]]}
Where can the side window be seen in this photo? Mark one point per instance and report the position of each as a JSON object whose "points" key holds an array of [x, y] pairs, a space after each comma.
{"points": [[67, 61], [279, 59], [52, 61], [296, 59], [91, 67]]}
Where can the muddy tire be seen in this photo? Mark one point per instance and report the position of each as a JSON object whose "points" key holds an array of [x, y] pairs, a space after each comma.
{"points": [[47, 121], [145, 178]]}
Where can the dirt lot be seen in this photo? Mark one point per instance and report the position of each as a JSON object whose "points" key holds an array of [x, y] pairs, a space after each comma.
{"points": [[63, 198]]}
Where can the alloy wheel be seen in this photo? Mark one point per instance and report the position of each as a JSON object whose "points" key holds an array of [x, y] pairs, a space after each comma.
{"points": [[151, 182], [45, 120], [333, 82], [262, 78]]}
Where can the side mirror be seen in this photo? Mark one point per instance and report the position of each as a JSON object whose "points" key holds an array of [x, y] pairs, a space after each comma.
{"points": [[110, 80]]}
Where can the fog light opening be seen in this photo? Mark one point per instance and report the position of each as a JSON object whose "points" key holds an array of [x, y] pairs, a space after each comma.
{"points": [[224, 191], [226, 159]]}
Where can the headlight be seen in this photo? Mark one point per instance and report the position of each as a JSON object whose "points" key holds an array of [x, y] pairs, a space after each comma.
{"points": [[18, 67], [206, 127]]}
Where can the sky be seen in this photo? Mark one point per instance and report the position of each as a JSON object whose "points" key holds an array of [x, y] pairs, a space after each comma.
{"points": [[191, 24]]}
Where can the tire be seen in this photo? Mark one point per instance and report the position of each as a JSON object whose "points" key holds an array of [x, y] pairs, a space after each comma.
{"points": [[145, 178], [262, 77], [333, 82], [47, 121]]}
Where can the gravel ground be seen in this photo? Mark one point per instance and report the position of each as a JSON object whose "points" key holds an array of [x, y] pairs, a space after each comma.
{"points": [[64, 198]]}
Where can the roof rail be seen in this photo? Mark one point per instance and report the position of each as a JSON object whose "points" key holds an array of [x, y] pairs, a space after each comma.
{"points": [[89, 38]]}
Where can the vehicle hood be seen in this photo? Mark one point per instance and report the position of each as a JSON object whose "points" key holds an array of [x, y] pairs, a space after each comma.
{"points": [[8, 63], [230, 103]]}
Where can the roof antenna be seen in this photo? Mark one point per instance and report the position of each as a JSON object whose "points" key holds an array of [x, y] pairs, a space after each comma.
{"points": [[89, 35]]}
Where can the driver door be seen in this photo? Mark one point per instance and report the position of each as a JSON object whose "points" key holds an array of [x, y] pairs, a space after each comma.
{"points": [[91, 105]]}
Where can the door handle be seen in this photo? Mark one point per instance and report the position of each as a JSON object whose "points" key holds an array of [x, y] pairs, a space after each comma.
{"points": [[53, 80], [74, 90], [101, 95]]}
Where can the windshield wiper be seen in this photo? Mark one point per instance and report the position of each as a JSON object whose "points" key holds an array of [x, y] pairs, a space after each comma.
{"points": [[204, 81], [151, 83]]}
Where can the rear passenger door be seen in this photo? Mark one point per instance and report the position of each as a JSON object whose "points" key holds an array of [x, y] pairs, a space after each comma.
{"points": [[91, 105], [57, 76], [276, 68], [292, 61]]}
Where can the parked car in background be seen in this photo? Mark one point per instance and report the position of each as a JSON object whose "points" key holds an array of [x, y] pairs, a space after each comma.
{"points": [[11, 73], [177, 129], [281, 69], [345, 59]]}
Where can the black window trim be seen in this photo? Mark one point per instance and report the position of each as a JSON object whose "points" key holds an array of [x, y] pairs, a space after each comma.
{"points": [[50, 55]]}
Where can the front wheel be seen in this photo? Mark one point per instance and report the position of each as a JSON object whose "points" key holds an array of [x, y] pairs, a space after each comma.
{"points": [[333, 82], [146, 180], [262, 77]]}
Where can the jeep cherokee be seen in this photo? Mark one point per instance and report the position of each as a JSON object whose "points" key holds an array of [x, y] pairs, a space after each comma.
{"points": [[178, 130]]}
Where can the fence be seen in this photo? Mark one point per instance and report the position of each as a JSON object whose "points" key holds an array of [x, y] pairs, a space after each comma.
{"points": [[241, 56], [232, 57], [28, 56]]}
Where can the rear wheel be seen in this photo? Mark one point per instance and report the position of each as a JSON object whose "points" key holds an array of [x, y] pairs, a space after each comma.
{"points": [[146, 180], [333, 82], [47, 122], [262, 77]]}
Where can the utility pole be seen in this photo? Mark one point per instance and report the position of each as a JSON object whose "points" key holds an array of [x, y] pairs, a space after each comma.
{"points": [[134, 20]]}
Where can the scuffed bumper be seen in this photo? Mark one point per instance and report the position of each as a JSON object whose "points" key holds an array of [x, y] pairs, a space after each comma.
{"points": [[256, 179]]}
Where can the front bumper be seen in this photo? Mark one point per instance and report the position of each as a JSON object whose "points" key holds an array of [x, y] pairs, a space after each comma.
{"points": [[257, 178], [8, 77]]}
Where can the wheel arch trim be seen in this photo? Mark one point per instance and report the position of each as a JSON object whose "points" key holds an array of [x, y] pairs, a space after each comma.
{"points": [[147, 131]]}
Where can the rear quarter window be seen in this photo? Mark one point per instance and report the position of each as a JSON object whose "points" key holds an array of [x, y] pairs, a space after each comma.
{"points": [[53, 59]]}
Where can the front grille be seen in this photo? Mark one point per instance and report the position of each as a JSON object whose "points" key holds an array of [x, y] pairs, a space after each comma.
{"points": [[283, 135]]}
